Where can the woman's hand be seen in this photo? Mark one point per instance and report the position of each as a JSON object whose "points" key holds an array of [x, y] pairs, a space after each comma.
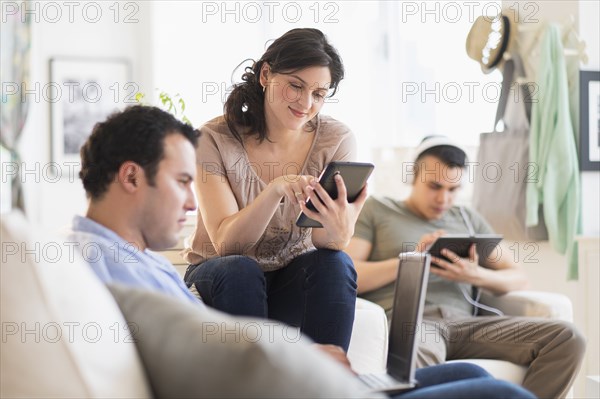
{"points": [[338, 217], [291, 186], [230, 228]]}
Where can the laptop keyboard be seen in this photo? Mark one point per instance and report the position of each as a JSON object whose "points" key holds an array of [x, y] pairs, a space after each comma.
{"points": [[378, 381]]}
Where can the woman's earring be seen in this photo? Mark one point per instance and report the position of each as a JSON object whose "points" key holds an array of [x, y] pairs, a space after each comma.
{"points": [[264, 88]]}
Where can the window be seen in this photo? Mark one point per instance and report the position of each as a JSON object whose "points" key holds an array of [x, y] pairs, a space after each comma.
{"points": [[407, 71], [7, 176]]}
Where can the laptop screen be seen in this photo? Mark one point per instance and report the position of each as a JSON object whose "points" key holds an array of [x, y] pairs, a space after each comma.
{"points": [[409, 299]]}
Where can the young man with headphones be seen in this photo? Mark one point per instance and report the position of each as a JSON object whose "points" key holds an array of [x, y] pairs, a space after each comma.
{"points": [[552, 350]]}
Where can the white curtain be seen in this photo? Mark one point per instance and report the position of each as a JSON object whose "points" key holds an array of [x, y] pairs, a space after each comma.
{"points": [[15, 43]]}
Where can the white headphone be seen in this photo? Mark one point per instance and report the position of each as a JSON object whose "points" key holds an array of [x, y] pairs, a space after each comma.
{"points": [[436, 141], [430, 142]]}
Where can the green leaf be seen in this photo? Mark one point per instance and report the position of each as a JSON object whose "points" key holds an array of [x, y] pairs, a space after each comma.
{"points": [[174, 105], [139, 96]]}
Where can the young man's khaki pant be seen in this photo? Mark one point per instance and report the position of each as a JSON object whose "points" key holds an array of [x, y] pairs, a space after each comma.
{"points": [[552, 350]]}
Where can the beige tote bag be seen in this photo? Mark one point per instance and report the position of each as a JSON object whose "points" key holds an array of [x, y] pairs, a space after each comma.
{"points": [[503, 170]]}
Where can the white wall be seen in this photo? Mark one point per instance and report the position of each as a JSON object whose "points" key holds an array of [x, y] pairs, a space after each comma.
{"points": [[585, 14], [209, 40], [52, 201], [162, 22], [589, 29], [547, 269], [548, 272]]}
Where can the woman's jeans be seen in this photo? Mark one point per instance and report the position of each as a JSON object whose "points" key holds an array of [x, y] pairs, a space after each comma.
{"points": [[315, 292], [462, 380]]}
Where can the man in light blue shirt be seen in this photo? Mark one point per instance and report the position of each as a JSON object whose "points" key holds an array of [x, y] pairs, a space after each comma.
{"points": [[137, 170], [115, 260]]}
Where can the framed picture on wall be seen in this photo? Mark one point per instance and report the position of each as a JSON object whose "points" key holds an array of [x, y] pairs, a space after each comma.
{"points": [[589, 141], [82, 92]]}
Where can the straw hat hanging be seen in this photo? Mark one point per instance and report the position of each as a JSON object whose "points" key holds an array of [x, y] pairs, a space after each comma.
{"points": [[488, 40]]}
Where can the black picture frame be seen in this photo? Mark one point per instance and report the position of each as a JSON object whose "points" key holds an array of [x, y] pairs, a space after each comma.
{"points": [[83, 91], [589, 118]]}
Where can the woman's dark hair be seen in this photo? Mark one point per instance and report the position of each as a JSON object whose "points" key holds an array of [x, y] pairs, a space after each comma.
{"points": [[295, 50], [136, 134]]}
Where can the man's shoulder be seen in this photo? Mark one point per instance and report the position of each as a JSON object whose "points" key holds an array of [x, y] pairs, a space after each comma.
{"points": [[103, 249], [480, 224], [87, 233], [473, 213], [384, 205], [161, 260]]}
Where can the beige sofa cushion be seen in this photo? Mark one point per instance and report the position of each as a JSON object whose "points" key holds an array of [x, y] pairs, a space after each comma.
{"points": [[369, 343], [62, 332], [201, 353]]}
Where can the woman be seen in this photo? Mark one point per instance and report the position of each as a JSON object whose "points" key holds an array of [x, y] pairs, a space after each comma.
{"points": [[256, 169]]}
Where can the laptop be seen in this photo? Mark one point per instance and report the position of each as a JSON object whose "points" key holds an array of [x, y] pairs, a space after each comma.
{"points": [[407, 313]]}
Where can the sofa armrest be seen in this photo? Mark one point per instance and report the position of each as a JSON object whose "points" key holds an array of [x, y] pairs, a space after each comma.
{"points": [[531, 304], [369, 343]]}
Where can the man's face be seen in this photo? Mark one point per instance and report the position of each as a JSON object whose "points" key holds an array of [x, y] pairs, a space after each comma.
{"points": [[165, 204], [434, 188]]}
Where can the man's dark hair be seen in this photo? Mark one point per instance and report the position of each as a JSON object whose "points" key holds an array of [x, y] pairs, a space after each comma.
{"points": [[136, 134], [449, 155]]}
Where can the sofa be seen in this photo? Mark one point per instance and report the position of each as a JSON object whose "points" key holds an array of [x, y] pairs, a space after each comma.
{"points": [[62, 333], [65, 335], [368, 352], [368, 347]]}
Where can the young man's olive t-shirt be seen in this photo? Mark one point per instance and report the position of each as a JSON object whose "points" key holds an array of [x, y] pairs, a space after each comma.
{"points": [[392, 228]]}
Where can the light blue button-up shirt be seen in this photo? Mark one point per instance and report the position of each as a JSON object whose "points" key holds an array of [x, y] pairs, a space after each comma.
{"points": [[115, 260]]}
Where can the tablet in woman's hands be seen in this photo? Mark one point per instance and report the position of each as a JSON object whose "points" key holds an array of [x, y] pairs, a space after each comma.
{"points": [[355, 175]]}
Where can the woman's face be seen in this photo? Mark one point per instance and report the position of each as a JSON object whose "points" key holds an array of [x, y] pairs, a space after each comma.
{"points": [[291, 100]]}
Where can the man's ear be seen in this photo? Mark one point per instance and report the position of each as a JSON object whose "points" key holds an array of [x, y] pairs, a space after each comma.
{"points": [[416, 171], [130, 175]]}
